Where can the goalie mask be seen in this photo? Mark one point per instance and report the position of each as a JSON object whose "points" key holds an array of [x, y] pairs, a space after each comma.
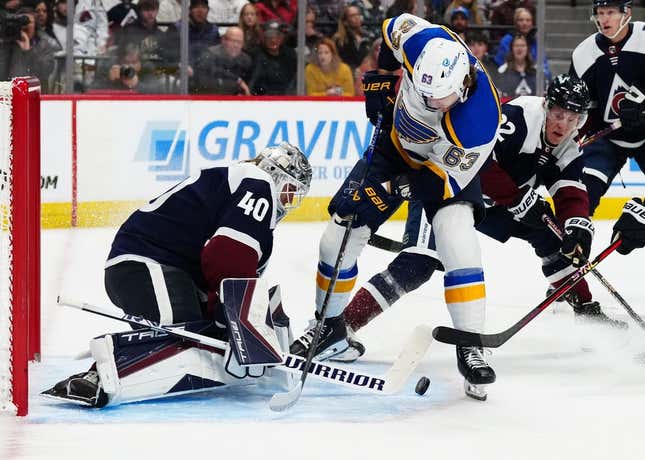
{"points": [[441, 70], [291, 174]]}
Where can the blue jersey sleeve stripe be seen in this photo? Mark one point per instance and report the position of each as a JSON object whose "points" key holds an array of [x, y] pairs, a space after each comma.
{"points": [[387, 27]]}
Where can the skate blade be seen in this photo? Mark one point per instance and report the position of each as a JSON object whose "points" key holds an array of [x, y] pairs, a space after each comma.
{"points": [[334, 350], [477, 392], [348, 356]]}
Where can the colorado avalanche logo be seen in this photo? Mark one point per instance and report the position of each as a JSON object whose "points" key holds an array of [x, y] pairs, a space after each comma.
{"points": [[616, 94]]}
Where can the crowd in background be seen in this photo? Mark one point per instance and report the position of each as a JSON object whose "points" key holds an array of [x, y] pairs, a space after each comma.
{"points": [[242, 48]]}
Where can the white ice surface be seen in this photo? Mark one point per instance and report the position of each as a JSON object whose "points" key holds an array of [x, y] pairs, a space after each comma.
{"points": [[564, 391]]}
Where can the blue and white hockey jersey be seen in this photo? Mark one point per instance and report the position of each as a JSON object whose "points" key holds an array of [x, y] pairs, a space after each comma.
{"points": [[237, 202], [609, 70], [453, 145]]}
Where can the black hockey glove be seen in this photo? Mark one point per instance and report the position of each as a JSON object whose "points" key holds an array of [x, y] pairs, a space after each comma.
{"points": [[370, 202], [400, 187], [380, 95], [576, 241], [530, 208], [631, 226], [632, 111]]}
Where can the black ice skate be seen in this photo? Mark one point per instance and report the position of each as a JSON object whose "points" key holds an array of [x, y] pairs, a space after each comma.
{"points": [[333, 339], [592, 313], [476, 371], [84, 389]]}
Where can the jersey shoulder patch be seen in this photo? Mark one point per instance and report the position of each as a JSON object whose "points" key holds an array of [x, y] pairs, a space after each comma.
{"points": [[585, 54], [474, 122]]}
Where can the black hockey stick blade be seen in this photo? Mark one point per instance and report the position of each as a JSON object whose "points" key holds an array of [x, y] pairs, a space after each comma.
{"points": [[385, 243], [461, 338]]}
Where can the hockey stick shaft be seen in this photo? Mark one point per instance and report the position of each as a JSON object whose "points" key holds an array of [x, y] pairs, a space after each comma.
{"points": [[360, 380], [339, 260], [556, 230], [465, 339], [586, 140]]}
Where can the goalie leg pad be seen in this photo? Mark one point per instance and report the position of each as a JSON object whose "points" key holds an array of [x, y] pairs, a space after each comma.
{"points": [[458, 248], [328, 252]]}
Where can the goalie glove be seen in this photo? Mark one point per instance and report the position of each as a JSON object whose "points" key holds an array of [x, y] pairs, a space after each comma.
{"points": [[576, 241], [530, 208], [380, 95], [631, 226]]}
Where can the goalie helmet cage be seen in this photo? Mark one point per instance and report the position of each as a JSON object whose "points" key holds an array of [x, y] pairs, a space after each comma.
{"points": [[19, 239]]}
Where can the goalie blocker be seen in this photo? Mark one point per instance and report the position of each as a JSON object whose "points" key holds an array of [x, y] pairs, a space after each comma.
{"points": [[148, 364]]}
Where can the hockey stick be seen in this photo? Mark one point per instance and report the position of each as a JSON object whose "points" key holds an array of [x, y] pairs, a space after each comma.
{"points": [[385, 243], [468, 339], [392, 382], [586, 140], [282, 401], [556, 230]]}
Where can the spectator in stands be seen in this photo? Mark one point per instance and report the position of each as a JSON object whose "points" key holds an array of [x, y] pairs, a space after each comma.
{"points": [[400, 7], [122, 14], [60, 22], [328, 75], [373, 12], [130, 75], [478, 44], [201, 33], [503, 13], [224, 12], [473, 14], [523, 26], [169, 11], [312, 35], [274, 66], [158, 44], [517, 76], [459, 21], [248, 22], [351, 40], [327, 13], [90, 28], [31, 54], [280, 10], [45, 22], [224, 68]]}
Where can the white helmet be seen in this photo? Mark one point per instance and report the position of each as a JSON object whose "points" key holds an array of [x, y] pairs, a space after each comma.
{"points": [[441, 69], [286, 165]]}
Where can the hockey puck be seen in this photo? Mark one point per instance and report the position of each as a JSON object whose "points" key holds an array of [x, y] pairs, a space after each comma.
{"points": [[422, 386]]}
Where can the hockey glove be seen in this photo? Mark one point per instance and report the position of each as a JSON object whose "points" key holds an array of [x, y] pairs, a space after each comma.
{"points": [[576, 241], [631, 226], [380, 95], [530, 208], [370, 202], [632, 110], [400, 187]]}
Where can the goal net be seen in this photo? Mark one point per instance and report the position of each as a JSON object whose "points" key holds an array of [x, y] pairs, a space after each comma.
{"points": [[19, 239]]}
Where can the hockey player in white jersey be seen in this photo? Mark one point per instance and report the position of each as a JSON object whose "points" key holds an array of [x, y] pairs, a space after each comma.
{"points": [[439, 131], [612, 63]]}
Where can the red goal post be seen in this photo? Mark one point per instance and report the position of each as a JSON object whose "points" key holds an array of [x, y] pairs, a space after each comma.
{"points": [[19, 239]]}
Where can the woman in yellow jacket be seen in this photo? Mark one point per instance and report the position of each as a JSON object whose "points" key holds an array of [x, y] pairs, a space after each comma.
{"points": [[328, 75]]}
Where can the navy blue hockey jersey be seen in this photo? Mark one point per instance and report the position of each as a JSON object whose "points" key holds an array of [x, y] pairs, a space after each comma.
{"points": [[236, 202], [609, 70]]}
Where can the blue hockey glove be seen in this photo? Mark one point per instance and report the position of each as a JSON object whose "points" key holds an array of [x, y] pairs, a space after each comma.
{"points": [[530, 207], [380, 95], [370, 202], [576, 241], [631, 226]]}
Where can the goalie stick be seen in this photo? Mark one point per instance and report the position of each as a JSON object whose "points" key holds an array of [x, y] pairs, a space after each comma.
{"points": [[469, 339], [392, 382], [556, 230]]}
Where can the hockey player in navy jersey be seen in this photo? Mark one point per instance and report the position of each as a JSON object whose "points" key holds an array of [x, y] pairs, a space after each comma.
{"points": [[170, 256], [439, 131], [535, 146], [612, 63]]}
